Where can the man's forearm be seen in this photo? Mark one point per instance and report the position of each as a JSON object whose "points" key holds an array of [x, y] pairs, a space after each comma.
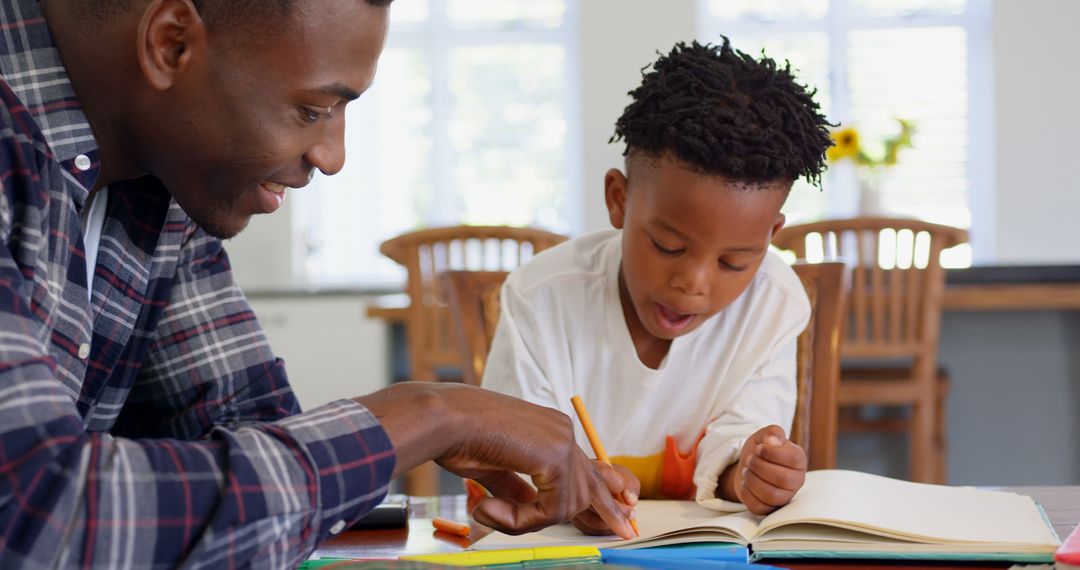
{"points": [[417, 419]]}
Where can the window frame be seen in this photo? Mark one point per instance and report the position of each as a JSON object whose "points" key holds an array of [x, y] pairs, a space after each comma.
{"points": [[841, 18], [435, 38]]}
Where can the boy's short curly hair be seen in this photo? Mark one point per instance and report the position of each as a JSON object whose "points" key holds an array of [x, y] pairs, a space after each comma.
{"points": [[724, 113]]}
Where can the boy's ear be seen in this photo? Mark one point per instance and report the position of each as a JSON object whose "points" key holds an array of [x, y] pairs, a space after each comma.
{"points": [[778, 225], [167, 34], [615, 196]]}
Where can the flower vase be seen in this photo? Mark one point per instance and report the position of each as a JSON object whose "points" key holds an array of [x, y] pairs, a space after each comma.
{"points": [[870, 199]]}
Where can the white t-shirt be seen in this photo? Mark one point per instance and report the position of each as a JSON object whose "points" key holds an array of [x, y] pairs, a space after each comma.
{"points": [[562, 332], [92, 226]]}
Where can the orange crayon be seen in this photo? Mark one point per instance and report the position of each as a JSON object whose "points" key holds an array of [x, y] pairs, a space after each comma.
{"points": [[594, 441], [451, 527]]}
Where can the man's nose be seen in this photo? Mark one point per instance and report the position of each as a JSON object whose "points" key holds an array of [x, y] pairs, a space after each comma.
{"points": [[328, 155]]}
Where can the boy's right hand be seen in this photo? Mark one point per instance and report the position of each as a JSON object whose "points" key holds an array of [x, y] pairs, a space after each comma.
{"points": [[491, 437], [624, 486]]}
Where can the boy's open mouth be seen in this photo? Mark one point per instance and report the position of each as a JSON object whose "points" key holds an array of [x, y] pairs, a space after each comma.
{"points": [[672, 321]]}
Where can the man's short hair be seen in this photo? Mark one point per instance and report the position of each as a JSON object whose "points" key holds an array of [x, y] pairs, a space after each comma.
{"points": [[212, 11]]}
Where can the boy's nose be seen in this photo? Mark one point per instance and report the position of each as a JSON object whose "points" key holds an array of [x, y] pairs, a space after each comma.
{"points": [[692, 280]]}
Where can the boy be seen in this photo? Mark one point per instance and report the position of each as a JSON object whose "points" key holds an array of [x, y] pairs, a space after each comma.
{"points": [[678, 327]]}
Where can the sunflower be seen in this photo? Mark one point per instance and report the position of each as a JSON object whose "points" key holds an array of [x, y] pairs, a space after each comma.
{"points": [[845, 145]]}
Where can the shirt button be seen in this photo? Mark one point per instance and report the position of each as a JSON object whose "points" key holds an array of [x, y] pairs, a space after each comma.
{"points": [[84, 350], [338, 527], [82, 162]]}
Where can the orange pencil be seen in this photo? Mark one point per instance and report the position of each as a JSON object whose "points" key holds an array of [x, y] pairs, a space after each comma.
{"points": [[594, 441], [451, 527]]}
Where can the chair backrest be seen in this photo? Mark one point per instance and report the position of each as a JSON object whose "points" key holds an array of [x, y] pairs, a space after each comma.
{"points": [[474, 310], [897, 282], [426, 253], [818, 364]]}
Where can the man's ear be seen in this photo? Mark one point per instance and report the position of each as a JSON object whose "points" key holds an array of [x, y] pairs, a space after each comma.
{"points": [[615, 187], [167, 35]]}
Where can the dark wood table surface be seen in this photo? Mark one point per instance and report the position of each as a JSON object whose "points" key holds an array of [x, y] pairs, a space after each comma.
{"points": [[1062, 506]]}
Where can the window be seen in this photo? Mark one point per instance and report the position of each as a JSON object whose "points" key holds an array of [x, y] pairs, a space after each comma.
{"points": [[472, 119], [873, 61]]}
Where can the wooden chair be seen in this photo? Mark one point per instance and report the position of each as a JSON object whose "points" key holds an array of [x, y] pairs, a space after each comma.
{"points": [[474, 312], [427, 253], [474, 307], [818, 364], [892, 323]]}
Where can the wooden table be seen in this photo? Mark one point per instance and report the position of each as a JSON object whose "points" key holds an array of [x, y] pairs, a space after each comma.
{"points": [[391, 308], [1013, 288], [1062, 506], [1013, 297]]}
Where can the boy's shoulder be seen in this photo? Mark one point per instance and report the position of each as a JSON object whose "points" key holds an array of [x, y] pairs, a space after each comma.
{"points": [[776, 271], [583, 259], [777, 284]]}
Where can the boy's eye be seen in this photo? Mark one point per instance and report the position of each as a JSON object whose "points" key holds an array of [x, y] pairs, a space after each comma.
{"points": [[665, 250], [729, 266]]}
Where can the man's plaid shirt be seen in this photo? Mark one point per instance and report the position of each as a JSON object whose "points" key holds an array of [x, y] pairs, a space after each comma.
{"points": [[152, 427]]}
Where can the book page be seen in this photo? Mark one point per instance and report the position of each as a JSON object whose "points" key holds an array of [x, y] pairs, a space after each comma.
{"points": [[916, 512], [660, 523]]}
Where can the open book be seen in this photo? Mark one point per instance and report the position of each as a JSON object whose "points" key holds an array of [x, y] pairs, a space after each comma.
{"points": [[838, 512]]}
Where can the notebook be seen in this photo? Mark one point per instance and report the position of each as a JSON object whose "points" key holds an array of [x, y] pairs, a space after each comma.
{"points": [[843, 514]]}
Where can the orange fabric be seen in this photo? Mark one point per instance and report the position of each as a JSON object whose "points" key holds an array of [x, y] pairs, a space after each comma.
{"points": [[647, 469], [665, 475], [677, 480]]}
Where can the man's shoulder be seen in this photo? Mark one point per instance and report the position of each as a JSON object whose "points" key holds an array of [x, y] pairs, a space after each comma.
{"points": [[24, 155], [17, 125]]}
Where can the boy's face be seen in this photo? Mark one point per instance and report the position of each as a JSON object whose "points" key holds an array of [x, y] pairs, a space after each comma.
{"points": [[691, 242]]}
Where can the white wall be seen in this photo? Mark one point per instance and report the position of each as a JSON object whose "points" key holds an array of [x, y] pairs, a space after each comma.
{"points": [[1035, 193], [262, 256], [1038, 122], [331, 349], [613, 51], [1037, 198]]}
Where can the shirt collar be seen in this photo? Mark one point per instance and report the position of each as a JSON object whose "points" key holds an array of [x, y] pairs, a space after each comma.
{"points": [[31, 66]]}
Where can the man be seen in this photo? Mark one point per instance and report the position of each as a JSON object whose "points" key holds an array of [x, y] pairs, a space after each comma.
{"points": [[143, 419]]}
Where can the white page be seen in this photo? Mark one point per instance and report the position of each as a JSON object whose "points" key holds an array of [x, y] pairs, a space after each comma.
{"points": [[900, 510], [930, 513], [655, 519]]}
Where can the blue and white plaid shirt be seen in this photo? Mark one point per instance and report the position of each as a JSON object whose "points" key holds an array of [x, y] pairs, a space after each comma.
{"points": [[152, 427]]}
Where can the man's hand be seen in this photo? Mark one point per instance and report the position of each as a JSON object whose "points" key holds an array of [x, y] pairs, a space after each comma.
{"points": [[489, 437], [623, 486], [770, 470]]}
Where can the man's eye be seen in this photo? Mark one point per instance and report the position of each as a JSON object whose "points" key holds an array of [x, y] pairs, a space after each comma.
{"points": [[309, 115]]}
